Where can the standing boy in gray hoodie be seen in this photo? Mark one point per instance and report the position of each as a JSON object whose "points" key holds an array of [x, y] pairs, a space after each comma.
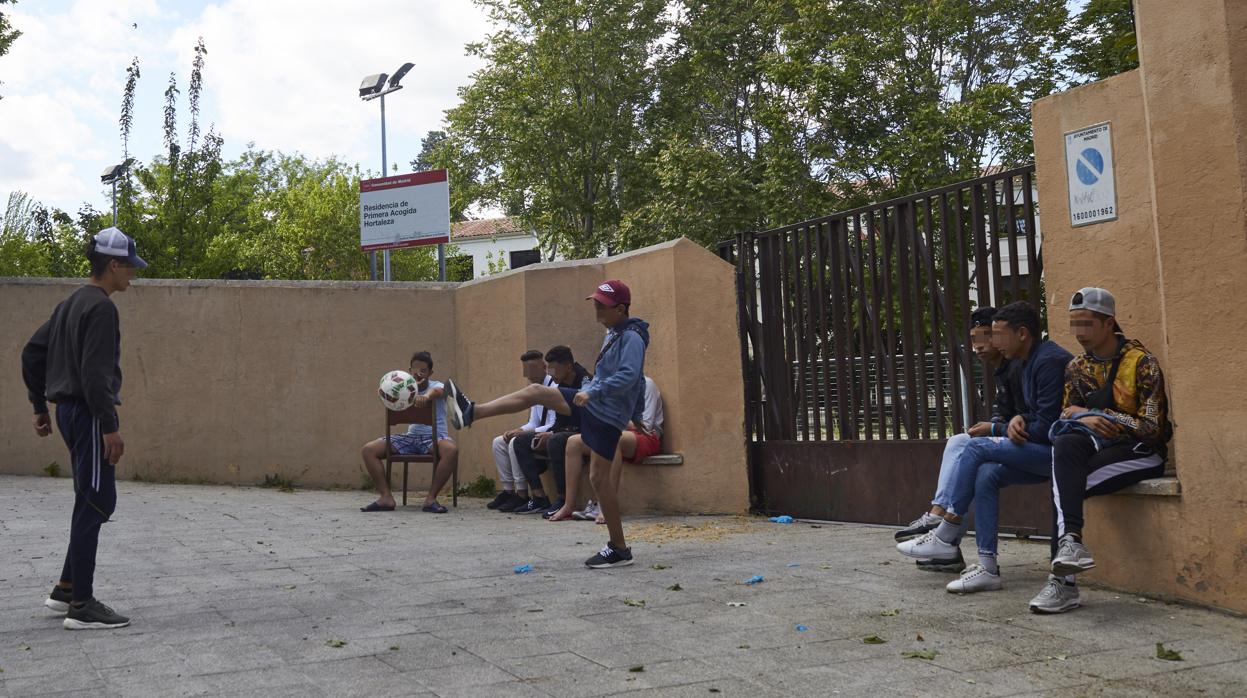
{"points": [[602, 406]]}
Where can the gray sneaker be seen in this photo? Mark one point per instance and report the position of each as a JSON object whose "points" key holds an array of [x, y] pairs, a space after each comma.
{"points": [[93, 615], [1056, 597], [1072, 557]]}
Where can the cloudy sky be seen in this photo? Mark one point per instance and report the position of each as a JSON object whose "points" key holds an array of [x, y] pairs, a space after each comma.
{"points": [[282, 74]]}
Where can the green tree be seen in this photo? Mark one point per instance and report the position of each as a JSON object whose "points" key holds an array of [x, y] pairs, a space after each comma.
{"points": [[747, 114], [7, 33], [178, 211], [438, 151], [726, 141], [20, 255], [300, 220], [551, 122], [1102, 42], [39, 241], [912, 94]]}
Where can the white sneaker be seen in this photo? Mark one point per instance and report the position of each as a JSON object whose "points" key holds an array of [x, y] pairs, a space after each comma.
{"points": [[927, 546], [975, 578]]}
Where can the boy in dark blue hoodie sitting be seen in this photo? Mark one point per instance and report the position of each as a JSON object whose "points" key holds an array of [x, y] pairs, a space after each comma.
{"points": [[1022, 456], [602, 406]]}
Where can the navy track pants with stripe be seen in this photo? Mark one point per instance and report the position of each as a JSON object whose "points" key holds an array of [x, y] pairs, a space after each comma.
{"points": [[1080, 470], [95, 493]]}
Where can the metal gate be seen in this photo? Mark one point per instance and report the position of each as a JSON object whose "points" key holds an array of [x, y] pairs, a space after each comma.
{"points": [[855, 347]]}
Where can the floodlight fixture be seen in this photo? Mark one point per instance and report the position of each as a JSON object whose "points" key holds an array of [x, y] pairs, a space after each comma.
{"points": [[372, 85], [112, 173], [398, 74]]}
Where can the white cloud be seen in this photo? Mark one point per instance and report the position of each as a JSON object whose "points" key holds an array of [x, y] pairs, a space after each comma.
{"points": [[285, 74], [279, 73], [43, 138]]}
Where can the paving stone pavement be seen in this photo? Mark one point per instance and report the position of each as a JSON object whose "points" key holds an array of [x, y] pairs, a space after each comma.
{"points": [[247, 591]]}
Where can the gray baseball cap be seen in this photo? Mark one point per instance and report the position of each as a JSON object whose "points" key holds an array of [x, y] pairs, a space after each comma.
{"points": [[1097, 300], [114, 243]]}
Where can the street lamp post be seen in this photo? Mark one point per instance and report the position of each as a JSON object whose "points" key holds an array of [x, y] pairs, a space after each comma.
{"points": [[110, 175], [377, 87]]}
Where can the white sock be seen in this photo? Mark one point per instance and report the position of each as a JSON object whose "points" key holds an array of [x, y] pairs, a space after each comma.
{"points": [[947, 531], [988, 561]]}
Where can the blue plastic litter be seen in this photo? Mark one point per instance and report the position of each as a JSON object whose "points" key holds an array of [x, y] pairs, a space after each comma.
{"points": [[802, 628], [785, 519], [521, 569], [755, 579]]}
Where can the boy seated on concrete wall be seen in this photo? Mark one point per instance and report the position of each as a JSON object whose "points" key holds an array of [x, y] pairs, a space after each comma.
{"points": [[1007, 373], [514, 494], [540, 451], [641, 439], [1113, 432], [1022, 456]]}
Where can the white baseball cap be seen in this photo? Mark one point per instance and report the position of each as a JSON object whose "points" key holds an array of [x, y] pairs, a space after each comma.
{"points": [[114, 243]]}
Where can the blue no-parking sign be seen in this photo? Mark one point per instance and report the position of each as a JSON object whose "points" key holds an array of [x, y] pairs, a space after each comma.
{"points": [[1089, 175]]}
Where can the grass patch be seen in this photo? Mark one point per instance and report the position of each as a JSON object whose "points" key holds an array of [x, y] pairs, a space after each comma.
{"points": [[482, 487], [277, 481], [53, 469]]}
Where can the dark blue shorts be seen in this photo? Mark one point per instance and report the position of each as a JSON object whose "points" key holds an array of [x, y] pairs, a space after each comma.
{"points": [[600, 437]]}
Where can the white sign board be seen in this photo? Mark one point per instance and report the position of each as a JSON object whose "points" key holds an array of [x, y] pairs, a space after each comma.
{"points": [[404, 211], [1089, 175]]}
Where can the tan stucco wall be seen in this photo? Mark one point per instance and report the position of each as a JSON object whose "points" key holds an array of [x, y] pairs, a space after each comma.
{"points": [[230, 381], [1177, 261]]}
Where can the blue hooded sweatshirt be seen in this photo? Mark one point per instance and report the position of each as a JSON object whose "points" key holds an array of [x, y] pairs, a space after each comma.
{"points": [[618, 383]]}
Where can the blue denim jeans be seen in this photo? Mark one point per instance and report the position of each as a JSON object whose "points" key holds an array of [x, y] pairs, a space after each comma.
{"points": [[948, 464], [985, 466]]}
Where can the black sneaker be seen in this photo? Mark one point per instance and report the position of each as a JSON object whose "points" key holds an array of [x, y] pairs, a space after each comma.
{"points": [[499, 500], [459, 407], [533, 506], [918, 527], [610, 556], [514, 501], [94, 615], [943, 564], [59, 599], [552, 509]]}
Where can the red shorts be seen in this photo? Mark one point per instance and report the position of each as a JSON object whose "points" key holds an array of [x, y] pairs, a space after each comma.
{"points": [[646, 446]]}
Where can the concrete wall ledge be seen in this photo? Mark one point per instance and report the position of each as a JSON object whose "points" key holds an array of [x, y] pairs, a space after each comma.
{"points": [[664, 459], [1156, 487]]}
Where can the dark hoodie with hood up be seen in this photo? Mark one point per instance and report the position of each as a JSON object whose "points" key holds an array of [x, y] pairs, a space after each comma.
{"points": [[618, 383]]}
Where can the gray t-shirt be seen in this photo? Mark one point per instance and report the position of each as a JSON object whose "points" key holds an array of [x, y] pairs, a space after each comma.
{"points": [[424, 429]]}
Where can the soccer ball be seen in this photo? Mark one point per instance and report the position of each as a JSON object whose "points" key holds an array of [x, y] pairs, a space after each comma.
{"points": [[398, 390]]}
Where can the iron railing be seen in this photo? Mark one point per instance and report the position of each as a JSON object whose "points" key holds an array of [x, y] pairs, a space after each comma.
{"points": [[855, 326]]}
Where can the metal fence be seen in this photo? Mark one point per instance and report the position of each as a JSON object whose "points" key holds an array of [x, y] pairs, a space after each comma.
{"points": [[855, 326]]}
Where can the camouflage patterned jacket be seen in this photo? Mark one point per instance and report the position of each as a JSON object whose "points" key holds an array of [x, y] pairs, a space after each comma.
{"points": [[1142, 408]]}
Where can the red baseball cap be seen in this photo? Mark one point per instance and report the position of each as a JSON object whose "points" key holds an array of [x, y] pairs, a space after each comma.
{"points": [[613, 292]]}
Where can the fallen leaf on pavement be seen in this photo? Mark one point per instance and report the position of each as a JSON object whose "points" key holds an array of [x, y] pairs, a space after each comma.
{"points": [[1168, 655]]}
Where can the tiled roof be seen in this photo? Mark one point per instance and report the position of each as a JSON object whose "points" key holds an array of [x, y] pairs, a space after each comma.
{"points": [[487, 228]]}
